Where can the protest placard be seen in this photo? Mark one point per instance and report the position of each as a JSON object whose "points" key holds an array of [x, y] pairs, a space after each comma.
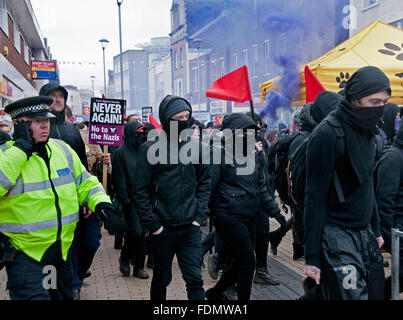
{"points": [[106, 121]]}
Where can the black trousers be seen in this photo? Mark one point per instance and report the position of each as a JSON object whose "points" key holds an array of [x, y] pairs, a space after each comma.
{"points": [[351, 265], [262, 239], [239, 236], [185, 242], [49, 279], [135, 243]]}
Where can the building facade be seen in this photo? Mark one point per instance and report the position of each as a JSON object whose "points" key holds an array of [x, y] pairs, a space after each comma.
{"points": [[135, 79], [20, 42], [364, 12], [256, 33]]}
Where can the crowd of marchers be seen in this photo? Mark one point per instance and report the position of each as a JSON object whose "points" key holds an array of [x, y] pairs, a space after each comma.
{"points": [[338, 169]]}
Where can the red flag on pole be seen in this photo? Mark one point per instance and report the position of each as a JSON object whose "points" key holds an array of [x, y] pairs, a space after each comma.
{"points": [[154, 123], [232, 87], [312, 85]]}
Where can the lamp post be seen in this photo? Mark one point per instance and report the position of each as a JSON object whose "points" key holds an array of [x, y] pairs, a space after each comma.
{"points": [[119, 2], [93, 91], [197, 41], [104, 43]]}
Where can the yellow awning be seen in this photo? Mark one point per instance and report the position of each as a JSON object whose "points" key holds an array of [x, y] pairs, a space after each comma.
{"points": [[379, 45]]}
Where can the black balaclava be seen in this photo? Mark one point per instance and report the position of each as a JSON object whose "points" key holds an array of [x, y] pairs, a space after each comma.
{"points": [[170, 106], [364, 82], [359, 123], [131, 138], [239, 121]]}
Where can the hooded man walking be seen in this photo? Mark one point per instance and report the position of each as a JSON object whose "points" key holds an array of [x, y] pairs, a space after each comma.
{"points": [[342, 232], [172, 200], [124, 179]]}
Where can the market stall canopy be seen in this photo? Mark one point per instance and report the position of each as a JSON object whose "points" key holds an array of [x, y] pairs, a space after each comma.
{"points": [[379, 45]]}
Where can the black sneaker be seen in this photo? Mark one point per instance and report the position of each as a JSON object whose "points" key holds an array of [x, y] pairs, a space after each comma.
{"points": [[298, 252], [230, 294], [212, 295], [262, 276], [124, 267], [141, 274]]}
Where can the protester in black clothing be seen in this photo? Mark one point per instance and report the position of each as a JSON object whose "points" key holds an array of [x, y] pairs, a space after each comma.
{"points": [[124, 179], [262, 274], [172, 199], [389, 196], [342, 233], [311, 115], [236, 201]]}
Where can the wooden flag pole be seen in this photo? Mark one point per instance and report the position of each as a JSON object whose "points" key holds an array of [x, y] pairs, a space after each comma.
{"points": [[104, 172]]}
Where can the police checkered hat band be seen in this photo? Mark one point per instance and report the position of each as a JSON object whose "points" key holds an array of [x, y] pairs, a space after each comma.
{"points": [[36, 107], [31, 109]]}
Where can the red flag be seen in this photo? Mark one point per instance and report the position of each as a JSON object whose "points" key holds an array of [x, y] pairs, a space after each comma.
{"points": [[154, 123], [232, 87], [312, 85], [217, 120], [103, 96]]}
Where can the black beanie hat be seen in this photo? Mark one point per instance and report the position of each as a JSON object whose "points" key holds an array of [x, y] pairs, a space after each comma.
{"points": [[365, 82]]}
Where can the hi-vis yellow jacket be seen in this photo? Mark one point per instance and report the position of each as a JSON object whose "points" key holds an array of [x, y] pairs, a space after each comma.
{"points": [[40, 204]]}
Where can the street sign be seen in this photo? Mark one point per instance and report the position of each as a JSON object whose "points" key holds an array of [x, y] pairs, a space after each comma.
{"points": [[43, 70], [106, 121]]}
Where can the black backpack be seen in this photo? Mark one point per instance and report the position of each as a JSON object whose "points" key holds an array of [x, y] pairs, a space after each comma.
{"points": [[278, 161], [296, 168]]}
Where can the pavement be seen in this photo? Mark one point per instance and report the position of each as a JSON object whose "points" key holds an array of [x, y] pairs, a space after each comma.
{"points": [[107, 283]]}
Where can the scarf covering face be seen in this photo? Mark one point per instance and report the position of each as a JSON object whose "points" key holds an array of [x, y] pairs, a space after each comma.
{"points": [[359, 123]]}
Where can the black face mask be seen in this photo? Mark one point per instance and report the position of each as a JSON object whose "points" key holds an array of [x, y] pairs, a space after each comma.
{"points": [[140, 139], [363, 118], [182, 125]]}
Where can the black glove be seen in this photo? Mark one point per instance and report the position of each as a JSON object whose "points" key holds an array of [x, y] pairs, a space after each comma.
{"points": [[23, 137], [106, 213], [281, 220]]}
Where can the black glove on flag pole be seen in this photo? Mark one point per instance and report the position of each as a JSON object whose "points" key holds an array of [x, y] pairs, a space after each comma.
{"points": [[233, 87]]}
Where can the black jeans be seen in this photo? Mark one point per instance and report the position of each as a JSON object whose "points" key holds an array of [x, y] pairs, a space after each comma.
{"points": [[262, 239], [185, 242], [135, 248], [26, 277], [239, 235], [135, 243]]}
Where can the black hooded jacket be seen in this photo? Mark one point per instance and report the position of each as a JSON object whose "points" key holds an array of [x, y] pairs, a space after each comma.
{"points": [[62, 130], [124, 162], [324, 157], [171, 193], [312, 114], [389, 186], [243, 195]]}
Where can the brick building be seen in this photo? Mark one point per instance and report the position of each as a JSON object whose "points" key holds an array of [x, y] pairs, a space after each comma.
{"points": [[20, 43]]}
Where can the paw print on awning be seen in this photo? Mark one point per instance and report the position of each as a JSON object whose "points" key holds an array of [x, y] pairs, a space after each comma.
{"points": [[393, 50]]}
